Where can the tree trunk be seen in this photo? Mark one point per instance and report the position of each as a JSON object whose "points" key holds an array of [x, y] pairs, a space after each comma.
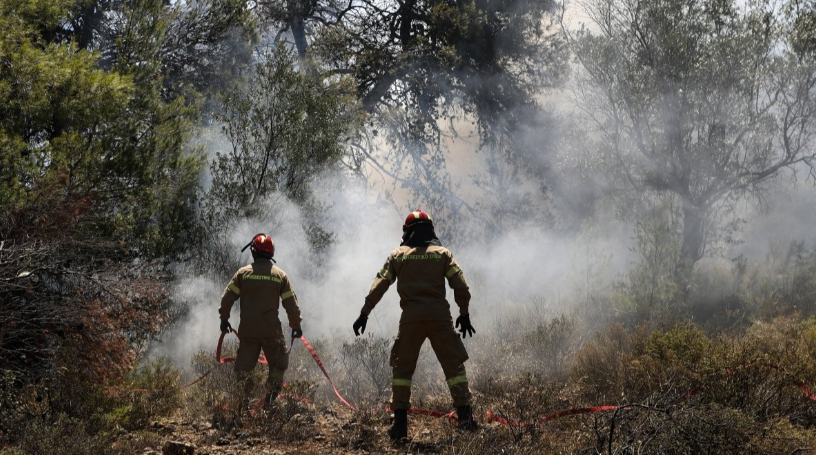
{"points": [[406, 13], [299, 35], [90, 18], [693, 244]]}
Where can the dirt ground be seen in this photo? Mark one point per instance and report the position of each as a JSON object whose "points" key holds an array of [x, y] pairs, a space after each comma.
{"points": [[308, 430]]}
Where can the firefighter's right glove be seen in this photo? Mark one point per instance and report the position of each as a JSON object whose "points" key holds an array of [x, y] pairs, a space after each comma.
{"points": [[466, 329], [225, 326], [359, 324]]}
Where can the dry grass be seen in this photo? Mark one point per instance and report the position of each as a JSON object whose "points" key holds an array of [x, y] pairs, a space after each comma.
{"points": [[681, 388]]}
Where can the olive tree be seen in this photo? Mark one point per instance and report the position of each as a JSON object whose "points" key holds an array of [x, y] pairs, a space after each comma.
{"points": [[430, 73], [282, 133], [703, 102]]}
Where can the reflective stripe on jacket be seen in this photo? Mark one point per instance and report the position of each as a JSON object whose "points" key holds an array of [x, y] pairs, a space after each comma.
{"points": [[261, 286], [420, 273]]}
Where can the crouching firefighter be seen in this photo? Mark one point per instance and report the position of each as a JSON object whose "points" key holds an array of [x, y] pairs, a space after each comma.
{"points": [[420, 267], [261, 286]]}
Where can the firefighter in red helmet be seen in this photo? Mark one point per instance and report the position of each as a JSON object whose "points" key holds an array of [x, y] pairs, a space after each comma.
{"points": [[420, 267], [262, 287]]}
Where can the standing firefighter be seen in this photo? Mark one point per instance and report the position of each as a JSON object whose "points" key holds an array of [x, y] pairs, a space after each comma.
{"points": [[261, 286], [420, 265]]}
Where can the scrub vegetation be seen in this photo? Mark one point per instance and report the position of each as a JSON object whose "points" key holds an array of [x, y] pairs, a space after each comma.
{"points": [[742, 384], [139, 139]]}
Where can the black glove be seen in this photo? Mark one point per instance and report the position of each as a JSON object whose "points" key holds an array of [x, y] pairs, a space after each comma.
{"points": [[225, 326], [466, 329], [359, 324], [297, 333]]}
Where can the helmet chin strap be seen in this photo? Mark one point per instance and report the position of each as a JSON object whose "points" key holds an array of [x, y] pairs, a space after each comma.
{"points": [[249, 245]]}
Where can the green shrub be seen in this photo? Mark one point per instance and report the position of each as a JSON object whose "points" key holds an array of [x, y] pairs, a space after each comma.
{"points": [[154, 392], [599, 369], [652, 289], [785, 284], [214, 397]]}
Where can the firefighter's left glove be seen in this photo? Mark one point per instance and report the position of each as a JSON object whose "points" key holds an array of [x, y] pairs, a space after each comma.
{"points": [[466, 329], [359, 324], [297, 333], [225, 326]]}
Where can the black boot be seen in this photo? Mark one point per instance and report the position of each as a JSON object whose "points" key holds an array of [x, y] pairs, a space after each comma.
{"points": [[466, 420], [399, 426]]}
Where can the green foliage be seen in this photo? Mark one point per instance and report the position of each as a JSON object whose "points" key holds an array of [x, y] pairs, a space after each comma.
{"points": [[427, 71], [650, 290], [219, 389], [683, 350], [721, 295], [283, 132], [207, 50], [156, 394], [99, 102], [681, 391], [71, 129], [159, 166], [56, 106], [802, 25], [633, 365], [694, 102], [21, 19], [75, 416], [95, 172], [600, 367], [483, 58], [786, 283]]}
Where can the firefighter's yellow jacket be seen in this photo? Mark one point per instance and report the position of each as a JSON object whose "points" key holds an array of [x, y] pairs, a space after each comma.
{"points": [[420, 273], [261, 286]]}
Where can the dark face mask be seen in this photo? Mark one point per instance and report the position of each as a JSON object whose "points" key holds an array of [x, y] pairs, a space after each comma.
{"points": [[420, 235]]}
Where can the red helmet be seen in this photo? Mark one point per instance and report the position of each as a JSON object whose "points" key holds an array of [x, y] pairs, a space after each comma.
{"points": [[416, 217], [262, 245]]}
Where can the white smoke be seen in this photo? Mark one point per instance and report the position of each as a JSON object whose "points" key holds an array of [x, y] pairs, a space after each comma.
{"points": [[525, 265], [788, 214]]}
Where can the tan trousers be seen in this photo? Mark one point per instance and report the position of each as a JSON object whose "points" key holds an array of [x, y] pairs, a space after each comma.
{"points": [[449, 350], [249, 348]]}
